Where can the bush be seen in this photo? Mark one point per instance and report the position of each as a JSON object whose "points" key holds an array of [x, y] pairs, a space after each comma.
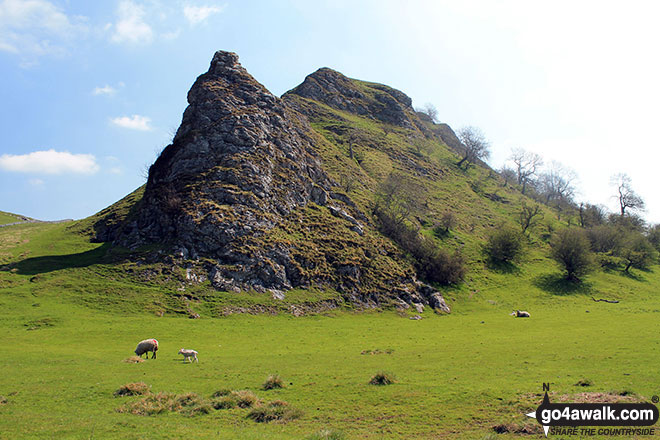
{"points": [[273, 381], [504, 245], [274, 411], [431, 262], [604, 238], [570, 248], [132, 389], [638, 252], [382, 378]]}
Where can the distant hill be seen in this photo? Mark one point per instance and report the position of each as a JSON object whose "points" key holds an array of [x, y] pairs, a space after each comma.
{"points": [[8, 218]]}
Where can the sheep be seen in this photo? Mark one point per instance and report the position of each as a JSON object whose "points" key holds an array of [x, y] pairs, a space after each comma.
{"points": [[146, 346], [189, 354], [520, 314]]}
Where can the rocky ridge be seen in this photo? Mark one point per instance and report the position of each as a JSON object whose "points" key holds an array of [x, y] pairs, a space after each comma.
{"points": [[242, 194]]}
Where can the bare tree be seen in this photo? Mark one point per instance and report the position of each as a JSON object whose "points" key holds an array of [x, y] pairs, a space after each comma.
{"points": [[429, 110], [527, 165], [475, 144], [557, 183], [508, 175], [529, 216], [628, 199]]}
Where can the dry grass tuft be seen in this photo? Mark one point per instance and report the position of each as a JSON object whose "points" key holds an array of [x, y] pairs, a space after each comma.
{"points": [[132, 389], [133, 360], [277, 411], [272, 382], [382, 378]]}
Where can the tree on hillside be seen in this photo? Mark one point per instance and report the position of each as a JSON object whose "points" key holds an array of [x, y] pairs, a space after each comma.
{"points": [[529, 216], [637, 251], [557, 183], [591, 215], [570, 248], [508, 175], [628, 199], [653, 235], [475, 145], [526, 166], [429, 110], [399, 197]]}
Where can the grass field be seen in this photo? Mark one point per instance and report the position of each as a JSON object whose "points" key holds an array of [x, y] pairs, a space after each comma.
{"points": [[69, 320]]}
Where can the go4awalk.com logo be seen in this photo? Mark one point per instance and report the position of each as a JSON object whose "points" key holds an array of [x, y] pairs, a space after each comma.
{"points": [[621, 419]]}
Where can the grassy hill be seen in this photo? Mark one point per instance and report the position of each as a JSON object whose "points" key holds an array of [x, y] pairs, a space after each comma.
{"points": [[7, 218], [76, 305]]}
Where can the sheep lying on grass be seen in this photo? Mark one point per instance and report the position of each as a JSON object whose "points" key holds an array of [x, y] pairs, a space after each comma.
{"points": [[189, 354], [520, 314], [146, 346]]}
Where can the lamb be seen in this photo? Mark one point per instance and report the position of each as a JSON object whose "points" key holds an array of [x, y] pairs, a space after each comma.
{"points": [[520, 314], [146, 346], [189, 354]]}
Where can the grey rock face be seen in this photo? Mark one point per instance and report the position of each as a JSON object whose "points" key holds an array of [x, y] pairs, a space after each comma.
{"points": [[374, 100], [239, 162]]}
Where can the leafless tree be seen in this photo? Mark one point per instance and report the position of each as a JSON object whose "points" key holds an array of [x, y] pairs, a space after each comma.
{"points": [[475, 144], [628, 199], [557, 183], [526, 165], [529, 216], [508, 175], [429, 110]]}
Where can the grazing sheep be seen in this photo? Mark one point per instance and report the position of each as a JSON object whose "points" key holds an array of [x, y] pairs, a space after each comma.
{"points": [[189, 354], [146, 346], [520, 314]]}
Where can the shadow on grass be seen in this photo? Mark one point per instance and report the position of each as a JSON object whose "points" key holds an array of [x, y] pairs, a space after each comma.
{"points": [[556, 284], [50, 263], [503, 267], [633, 276]]}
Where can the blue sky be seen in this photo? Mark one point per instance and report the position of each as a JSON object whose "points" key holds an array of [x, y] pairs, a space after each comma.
{"points": [[91, 91]]}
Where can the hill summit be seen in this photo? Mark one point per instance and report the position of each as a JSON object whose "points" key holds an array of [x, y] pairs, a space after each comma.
{"points": [[242, 195]]}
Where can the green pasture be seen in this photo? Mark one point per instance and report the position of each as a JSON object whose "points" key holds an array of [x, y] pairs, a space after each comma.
{"points": [[70, 318]]}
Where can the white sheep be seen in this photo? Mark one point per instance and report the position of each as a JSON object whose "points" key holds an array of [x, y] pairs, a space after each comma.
{"points": [[146, 346], [189, 354], [520, 314]]}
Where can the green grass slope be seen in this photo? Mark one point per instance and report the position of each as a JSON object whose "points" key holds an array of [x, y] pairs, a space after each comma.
{"points": [[8, 218], [74, 310]]}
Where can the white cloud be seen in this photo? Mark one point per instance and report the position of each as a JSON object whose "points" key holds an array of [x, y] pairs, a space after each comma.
{"points": [[105, 90], [198, 14], [49, 162], [131, 27], [32, 28], [135, 122], [36, 182]]}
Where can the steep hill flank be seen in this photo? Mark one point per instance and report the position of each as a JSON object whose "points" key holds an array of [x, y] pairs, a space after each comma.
{"points": [[241, 195]]}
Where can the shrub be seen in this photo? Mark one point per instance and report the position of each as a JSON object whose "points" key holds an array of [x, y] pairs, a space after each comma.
{"points": [[382, 378], [432, 263], [583, 383], [504, 245], [273, 381], [570, 248], [244, 398], [604, 238], [132, 389], [447, 221], [637, 252], [274, 411]]}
